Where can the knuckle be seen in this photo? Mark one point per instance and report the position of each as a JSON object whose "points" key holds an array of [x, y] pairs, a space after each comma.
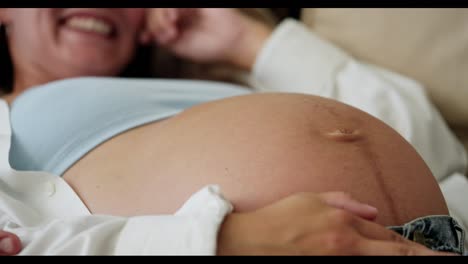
{"points": [[303, 195], [332, 241], [304, 198], [412, 250], [337, 242], [341, 218], [396, 237], [343, 195], [405, 250]]}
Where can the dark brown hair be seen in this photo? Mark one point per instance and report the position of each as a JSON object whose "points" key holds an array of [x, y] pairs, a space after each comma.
{"points": [[6, 65], [139, 67]]}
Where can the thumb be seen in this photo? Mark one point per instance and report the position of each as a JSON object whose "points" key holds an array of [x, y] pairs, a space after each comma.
{"points": [[9, 244], [342, 200]]}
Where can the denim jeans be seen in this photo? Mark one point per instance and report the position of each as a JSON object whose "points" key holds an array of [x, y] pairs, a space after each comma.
{"points": [[437, 232]]}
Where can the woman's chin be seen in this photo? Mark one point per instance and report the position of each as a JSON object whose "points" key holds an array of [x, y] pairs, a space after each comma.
{"points": [[91, 68], [85, 61]]}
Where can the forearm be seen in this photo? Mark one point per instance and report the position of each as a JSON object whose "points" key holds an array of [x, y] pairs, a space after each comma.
{"points": [[252, 39], [192, 231]]}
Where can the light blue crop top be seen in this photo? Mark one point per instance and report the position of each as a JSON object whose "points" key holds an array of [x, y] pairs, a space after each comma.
{"points": [[56, 124]]}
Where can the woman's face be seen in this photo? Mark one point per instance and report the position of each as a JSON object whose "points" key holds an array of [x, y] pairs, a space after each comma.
{"points": [[71, 42]]}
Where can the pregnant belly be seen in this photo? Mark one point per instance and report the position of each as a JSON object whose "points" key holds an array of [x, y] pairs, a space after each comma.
{"points": [[258, 148]]}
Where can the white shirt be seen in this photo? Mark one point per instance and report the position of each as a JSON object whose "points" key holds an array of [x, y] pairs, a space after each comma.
{"points": [[50, 218]]}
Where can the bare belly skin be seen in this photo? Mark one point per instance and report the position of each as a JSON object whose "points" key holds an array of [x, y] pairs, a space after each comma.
{"points": [[258, 148]]}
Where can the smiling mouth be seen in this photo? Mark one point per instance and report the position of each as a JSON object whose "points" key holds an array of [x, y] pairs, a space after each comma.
{"points": [[90, 24]]}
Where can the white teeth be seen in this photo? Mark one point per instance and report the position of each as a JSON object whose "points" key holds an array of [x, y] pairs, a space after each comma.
{"points": [[90, 24]]}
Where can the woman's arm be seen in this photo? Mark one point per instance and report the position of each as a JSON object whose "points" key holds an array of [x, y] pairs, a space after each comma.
{"points": [[47, 231], [207, 35], [301, 224]]}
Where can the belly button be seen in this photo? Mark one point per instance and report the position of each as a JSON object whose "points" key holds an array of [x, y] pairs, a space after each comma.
{"points": [[344, 135]]}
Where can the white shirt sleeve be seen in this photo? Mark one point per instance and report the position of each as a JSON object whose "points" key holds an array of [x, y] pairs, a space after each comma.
{"points": [[50, 219], [192, 231], [294, 59]]}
